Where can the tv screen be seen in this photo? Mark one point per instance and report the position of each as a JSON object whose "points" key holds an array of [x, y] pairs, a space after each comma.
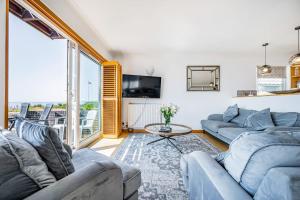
{"points": [[135, 86]]}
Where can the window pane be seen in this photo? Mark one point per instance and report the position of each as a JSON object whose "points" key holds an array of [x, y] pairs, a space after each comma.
{"points": [[37, 75], [89, 97]]}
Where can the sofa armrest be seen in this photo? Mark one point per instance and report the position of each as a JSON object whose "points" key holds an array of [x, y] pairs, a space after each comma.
{"points": [[97, 180], [215, 117], [206, 179], [280, 183]]}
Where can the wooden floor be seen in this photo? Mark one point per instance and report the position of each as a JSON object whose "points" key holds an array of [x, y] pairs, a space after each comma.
{"points": [[108, 146]]}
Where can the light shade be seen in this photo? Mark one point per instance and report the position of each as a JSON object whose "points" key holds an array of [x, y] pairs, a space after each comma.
{"points": [[295, 59], [265, 69]]}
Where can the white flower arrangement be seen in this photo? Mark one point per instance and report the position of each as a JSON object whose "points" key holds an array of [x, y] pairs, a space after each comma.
{"points": [[168, 111]]}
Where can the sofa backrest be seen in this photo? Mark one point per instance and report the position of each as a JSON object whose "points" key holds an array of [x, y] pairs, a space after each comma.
{"points": [[287, 119]]}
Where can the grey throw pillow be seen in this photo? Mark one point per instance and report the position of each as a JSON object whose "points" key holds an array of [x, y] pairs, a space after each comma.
{"points": [[47, 142], [22, 171], [260, 120], [230, 113]]}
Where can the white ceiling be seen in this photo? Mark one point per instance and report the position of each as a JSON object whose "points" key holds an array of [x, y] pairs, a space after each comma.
{"points": [[193, 26]]}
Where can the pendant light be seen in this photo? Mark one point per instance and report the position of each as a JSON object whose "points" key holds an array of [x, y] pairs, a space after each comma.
{"points": [[295, 59], [265, 69]]}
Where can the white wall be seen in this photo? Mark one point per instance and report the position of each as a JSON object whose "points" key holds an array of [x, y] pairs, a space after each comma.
{"points": [[285, 103], [237, 72], [68, 14], [2, 59]]}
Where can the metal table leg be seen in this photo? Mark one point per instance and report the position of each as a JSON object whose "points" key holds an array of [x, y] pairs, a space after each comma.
{"points": [[174, 144], [169, 140]]}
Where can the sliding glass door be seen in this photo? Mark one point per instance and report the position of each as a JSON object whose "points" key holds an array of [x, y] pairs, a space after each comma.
{"points": [[52, 79], [90, 115]]}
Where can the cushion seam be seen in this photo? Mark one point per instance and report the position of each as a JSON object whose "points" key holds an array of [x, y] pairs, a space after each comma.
{"points": [[59, 158]]}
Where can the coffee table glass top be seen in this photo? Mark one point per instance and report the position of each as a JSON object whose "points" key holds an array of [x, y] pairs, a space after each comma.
{"points": [[177, 129]]}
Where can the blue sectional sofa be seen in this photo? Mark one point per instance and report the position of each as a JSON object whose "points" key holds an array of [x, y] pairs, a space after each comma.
{"points": [[228, 131], [260, 165]]}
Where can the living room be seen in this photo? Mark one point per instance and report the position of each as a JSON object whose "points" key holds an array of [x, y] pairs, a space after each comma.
{"points": [[149, 99]]}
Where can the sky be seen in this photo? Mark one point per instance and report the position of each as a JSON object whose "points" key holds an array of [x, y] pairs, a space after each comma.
{"points": [[38, 67]]}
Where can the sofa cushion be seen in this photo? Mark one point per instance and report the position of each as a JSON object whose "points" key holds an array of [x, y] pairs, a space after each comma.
{"points": [[216, 125], [46, 141], [284, 118], [231, 133], [216, 117], [131, 175], [230, 113], [252, 154], [22, 171], [260, 120], [240, 120]]}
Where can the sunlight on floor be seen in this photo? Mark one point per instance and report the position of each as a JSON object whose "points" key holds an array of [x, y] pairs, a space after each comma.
{"points": [[108, 146]]}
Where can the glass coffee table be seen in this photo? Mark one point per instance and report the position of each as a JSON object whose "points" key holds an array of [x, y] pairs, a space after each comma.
{"points": [[176, 130]]}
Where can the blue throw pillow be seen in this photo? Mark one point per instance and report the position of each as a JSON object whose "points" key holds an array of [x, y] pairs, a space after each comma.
{"points": [[230, 113], [241, 119], [260, 120]]}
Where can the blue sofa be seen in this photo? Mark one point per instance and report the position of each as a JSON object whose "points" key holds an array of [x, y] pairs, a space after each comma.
{"points": [[258, 165], [228, 131]]}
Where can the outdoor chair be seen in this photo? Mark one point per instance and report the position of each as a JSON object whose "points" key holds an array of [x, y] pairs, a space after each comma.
{"points": [[87, 123], [45, 114], [23, 114]]}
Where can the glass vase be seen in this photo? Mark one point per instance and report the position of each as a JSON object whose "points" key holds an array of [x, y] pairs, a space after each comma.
{"points": [[167, 122]]}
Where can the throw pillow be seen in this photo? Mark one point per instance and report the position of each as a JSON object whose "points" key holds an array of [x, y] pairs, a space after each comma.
{"points": [[47, 142], [241, 118], [252, 154], [22, 171], [230, 113], [260, 120]]}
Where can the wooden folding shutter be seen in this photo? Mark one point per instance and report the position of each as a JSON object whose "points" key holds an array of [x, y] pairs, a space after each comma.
{"points": [[112, 99]]}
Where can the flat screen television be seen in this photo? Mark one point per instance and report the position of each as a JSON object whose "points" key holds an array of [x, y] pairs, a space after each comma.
{"points": [[135, 86]]}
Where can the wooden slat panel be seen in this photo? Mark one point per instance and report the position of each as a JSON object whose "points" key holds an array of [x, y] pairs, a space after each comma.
{"points": [[109, 81], [109, 116], [112, 99]]}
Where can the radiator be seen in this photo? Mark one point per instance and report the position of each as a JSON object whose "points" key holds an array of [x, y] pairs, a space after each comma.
{"points": [[140, 114]]}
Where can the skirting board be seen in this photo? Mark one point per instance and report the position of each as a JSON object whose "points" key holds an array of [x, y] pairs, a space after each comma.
{"points": [[143, 131]]}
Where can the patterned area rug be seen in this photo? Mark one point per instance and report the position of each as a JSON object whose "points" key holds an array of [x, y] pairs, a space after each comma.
{"points": [[160, 163]]}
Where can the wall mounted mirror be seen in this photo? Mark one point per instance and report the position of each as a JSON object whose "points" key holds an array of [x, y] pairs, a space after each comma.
{"points": [[203, 78]]}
